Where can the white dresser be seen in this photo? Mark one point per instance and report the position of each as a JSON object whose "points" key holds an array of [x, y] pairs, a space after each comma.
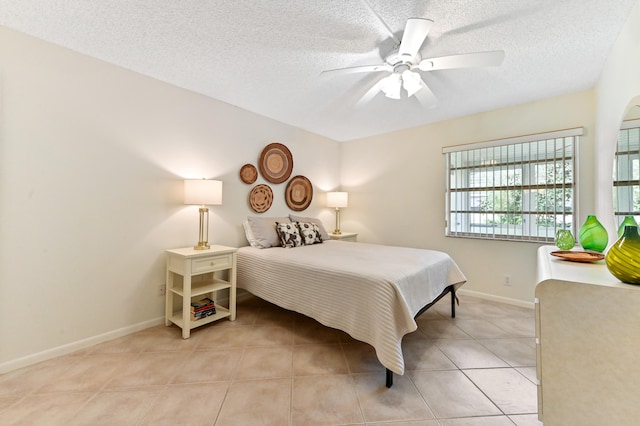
{"points": [[588, 344]]}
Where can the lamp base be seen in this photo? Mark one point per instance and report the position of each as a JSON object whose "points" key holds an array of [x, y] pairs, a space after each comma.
{"points": [[337, 230], [203, 233]]}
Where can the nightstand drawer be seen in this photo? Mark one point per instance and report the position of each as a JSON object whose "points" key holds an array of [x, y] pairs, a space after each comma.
{"points": [[210, 264]]}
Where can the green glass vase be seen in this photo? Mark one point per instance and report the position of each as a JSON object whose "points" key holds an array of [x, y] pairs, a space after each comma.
{"points": [[623, 257], [628, 221], [593, 236], [564, 239]]}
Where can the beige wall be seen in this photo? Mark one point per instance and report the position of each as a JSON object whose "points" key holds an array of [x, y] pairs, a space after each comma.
{"points": [[396, 185], [92, 159]]}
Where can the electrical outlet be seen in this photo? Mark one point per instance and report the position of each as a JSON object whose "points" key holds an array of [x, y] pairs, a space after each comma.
{"points": [[507, 280], [163, 289]]}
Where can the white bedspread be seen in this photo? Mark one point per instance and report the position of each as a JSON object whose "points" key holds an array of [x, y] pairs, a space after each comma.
{"points": [[370, 291]]}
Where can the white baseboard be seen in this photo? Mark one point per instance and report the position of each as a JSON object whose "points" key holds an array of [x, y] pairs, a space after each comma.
{"points": [[494, 298], [75, 346]]}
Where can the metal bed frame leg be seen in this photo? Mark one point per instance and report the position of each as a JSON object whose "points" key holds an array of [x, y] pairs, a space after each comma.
{"points": [[454, 300]]}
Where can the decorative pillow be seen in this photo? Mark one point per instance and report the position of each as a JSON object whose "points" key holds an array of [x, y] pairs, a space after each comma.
{"points": [[264, 231], [289, 234], [323, 233], [310, 233]]}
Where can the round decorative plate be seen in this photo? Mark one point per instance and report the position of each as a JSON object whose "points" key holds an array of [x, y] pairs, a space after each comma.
{"points": [[578, 256], [248, 173], [299, 193], [276, 163], [260, 198]]}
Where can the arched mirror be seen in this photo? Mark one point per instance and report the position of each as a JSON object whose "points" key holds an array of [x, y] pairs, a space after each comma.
{"points": [[626, 167]]}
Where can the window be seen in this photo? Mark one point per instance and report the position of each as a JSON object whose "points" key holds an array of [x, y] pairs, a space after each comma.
{"points": [[626, 172], [512, 189]]}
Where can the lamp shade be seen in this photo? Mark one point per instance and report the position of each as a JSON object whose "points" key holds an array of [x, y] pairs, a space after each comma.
{"points": [[203, 192], [337, 199]]}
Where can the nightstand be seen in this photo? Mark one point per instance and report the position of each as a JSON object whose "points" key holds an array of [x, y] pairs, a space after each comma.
{"points": [[195, 274], [345, 236]]}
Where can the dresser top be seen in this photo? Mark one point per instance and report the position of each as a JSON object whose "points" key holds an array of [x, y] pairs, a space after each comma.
{"points": [[595, 273]]}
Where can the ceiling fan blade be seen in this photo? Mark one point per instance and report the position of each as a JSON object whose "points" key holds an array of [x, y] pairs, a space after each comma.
{"points": [[362, 68], [415, 32], [425, 96], [370, 94], [465, 60]]}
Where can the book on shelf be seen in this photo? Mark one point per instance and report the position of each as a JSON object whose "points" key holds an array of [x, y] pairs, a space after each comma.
{"points": [[204, 308], [202, 305], [195, 316]]}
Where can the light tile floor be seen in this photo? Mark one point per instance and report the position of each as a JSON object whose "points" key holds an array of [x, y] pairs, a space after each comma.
{"points": [[276, 367]]}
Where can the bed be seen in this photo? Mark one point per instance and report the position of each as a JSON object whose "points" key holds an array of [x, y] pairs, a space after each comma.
{"points": [[372, 292]]}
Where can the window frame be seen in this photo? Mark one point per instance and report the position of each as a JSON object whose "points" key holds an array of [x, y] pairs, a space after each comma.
{"points": [[527, 187], [629, 182]]}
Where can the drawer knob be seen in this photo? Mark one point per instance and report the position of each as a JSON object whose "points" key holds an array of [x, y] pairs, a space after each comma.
{"points": [[211, 263]]}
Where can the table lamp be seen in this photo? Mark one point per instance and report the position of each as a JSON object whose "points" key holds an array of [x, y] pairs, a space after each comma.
{"points": [[337, 200]]}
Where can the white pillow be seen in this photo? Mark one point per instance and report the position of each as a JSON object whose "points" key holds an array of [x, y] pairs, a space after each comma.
{"points": [[248, 233], [263, 230], [323, 232]]}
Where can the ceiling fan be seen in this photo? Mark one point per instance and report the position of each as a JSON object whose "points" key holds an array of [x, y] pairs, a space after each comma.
{"points": [[405, 60]]}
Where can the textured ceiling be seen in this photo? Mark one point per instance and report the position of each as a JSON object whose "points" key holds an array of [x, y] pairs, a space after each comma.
{"points": [[266, 55]]}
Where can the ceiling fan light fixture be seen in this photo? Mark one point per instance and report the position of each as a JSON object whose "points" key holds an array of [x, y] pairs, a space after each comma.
{"points": [[411, 82], [391, 86]]}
